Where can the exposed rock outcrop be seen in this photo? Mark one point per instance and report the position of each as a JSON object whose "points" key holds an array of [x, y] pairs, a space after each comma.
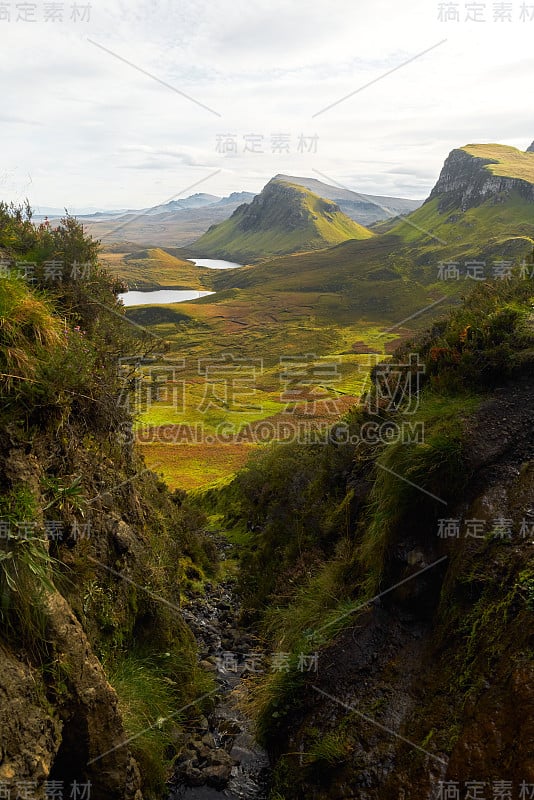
{"points": [[70, 735], [465, 182], [279, 203], [93, 737], [29, 733]]}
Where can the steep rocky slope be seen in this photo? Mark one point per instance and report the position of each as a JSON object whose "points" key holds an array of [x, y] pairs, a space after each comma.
{"points": [[403, 563], [433, 684], [95, 658]]}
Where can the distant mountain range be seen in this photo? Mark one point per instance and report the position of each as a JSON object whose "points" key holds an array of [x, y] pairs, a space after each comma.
{"points": [[172, 224], [54, 211], [179, 222], [199, 200], [299, 244]]}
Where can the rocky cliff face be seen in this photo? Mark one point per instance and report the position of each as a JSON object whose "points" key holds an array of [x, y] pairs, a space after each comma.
{"points": [[465, 182], [57, 716], [279, 204], [531, 148]]}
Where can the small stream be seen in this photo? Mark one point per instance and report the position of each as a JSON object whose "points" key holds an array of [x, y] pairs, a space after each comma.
{"points": [[221, 758]]}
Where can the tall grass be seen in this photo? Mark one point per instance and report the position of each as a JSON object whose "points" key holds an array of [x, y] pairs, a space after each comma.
{"points": [[28, 330], [148, 703], [26, 568], [150, 689]]}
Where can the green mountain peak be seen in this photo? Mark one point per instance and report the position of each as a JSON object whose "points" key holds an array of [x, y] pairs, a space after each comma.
{"points": [[283, 218], [482, 205]]}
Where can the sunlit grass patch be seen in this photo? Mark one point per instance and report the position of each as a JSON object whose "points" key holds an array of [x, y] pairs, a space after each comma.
{"points": [[191, 466]]}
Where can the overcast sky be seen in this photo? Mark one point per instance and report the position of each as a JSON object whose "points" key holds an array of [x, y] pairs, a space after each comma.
{"points": [[82, 128]]}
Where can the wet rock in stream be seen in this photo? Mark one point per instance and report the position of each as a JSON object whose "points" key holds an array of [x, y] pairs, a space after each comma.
{"points": [[220, 757]]}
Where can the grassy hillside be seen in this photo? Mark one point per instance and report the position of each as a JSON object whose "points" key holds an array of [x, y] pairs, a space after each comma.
{"points": [[284, 218], [364, 208], [156, 266], [507, 161], [329, 269], [501, 230], [469, 216], [407, 252]]}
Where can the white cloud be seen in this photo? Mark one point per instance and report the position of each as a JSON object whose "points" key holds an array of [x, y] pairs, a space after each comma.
{"points": [[91, 130]]}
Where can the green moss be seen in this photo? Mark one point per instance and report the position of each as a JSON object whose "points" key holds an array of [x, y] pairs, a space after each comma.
{"points": [[526, 585]]}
